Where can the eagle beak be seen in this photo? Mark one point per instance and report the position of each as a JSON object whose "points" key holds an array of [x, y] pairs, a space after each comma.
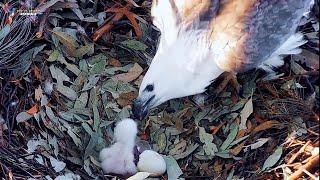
{"points": [[141, 106]]}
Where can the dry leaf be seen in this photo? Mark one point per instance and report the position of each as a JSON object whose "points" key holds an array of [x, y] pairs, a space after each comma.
{"points": [[131, 75], [37, 73], [260, 142], [245, 113], [242, 132], [217, 167], [140, 176], [216, 129], [33, 110], [67, 40], [235, 151], [126, 98], [266, 125], [56, 164], [38, 93], [114, 62]]}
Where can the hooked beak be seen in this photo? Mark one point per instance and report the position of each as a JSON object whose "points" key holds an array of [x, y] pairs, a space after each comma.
{"points": [[141, 106]]}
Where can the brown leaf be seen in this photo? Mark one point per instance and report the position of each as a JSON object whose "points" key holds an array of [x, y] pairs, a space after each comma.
{"points": [[126, 98], [67, 40], [189, 114], [216, 129], [242, 132], [37, 73], [34, 109], [235, 151], [266, 125], [167, 119], [17, 82], [259, 119], [217, 167], [179, 124], [114, 62], [38, 93], [144, 137], [131, 75]]}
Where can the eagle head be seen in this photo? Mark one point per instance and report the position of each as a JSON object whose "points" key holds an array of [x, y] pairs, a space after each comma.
{"points": [[183, 68]]}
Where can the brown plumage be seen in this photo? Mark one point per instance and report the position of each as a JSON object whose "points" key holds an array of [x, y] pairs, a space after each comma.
{"points": [[201, 39]]}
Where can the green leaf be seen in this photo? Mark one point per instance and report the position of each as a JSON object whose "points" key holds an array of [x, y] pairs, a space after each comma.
{"points": [[273, 159], [68, 92], [198, 117], [135, 45], [82, 100], [83, 50], [96, 118], [23, 116], [245, 113], [173, 169], [86, 167], [230, 176], [92, 81], [162, 142], [57, 165], [97, 58], [54, 55], [75, 138], [91, 145], [186, 152], [98, 67], [66, 39], [87, 128], [232, 135], [209, 147]]}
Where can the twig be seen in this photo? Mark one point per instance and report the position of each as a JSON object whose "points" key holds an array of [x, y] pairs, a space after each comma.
{"points": [[308, 166], [100, 32], [295, 156]]}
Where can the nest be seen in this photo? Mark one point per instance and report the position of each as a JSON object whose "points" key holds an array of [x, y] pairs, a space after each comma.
{"points": [[14, 38]]}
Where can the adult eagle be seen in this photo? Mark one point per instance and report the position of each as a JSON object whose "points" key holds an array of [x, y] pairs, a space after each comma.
{"points": [[201, 39]]}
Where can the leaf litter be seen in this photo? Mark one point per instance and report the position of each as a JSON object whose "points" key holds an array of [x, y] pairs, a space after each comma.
{"points": [[63, 108]]}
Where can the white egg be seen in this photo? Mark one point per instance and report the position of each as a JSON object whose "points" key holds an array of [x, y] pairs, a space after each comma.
{"points": [[152, 162]]}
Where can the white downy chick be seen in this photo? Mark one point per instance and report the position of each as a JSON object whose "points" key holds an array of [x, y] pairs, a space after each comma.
{"points": [[125, 132], [119, 158], [152, 162]]}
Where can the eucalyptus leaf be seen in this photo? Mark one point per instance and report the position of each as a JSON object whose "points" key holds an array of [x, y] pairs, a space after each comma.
{"points": [[273, 159], [92, 81], [162, 142], [82, 100], [134, 45], [232, 135], [23, 116], [173, 169], [186, 152], [245, 113], [209, 147], [57, 165]]}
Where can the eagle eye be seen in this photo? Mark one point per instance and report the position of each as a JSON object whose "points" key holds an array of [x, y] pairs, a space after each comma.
{"points": [[149, 87]]}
